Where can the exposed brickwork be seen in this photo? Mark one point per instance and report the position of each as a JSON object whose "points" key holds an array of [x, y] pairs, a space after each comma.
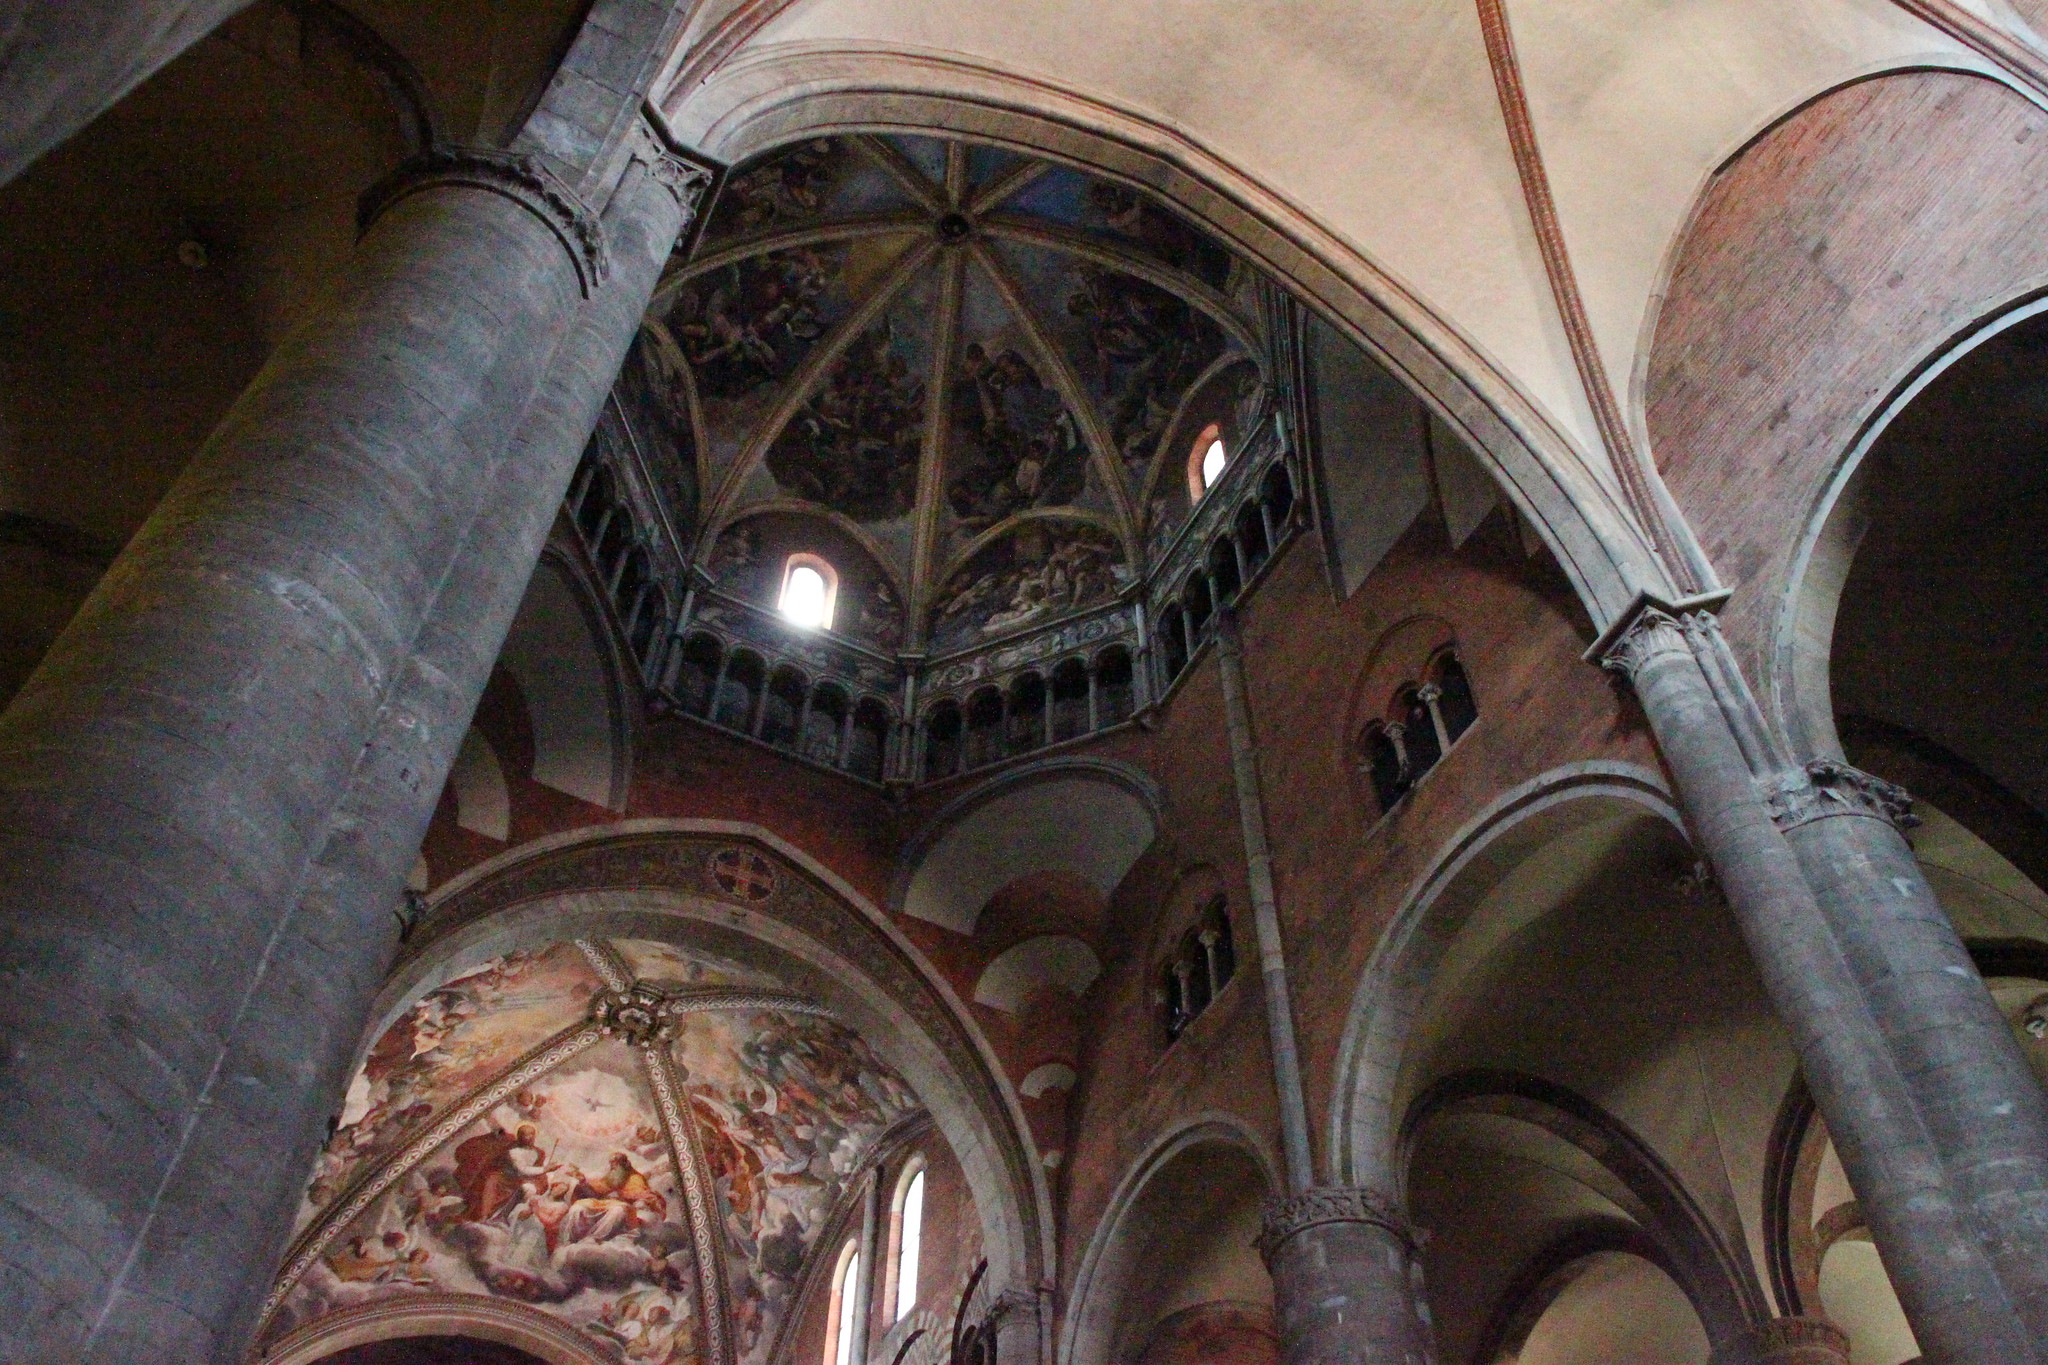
{"points": [[1822, 266]]}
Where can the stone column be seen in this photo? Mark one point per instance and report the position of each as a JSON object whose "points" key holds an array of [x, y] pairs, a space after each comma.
{"points": [[184, 980], [1951, 1292], [1346, 1281], [1015, 1328], [65, 62], [1790, 1341], [1982, 1105]]}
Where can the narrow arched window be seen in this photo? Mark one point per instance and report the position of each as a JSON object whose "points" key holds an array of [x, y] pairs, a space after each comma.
{"points": [[1207, 459], [810, 589], [909, 1238], [1455, 702], [844, 1324]]}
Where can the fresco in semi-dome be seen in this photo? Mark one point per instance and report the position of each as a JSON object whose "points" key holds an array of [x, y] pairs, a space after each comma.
{"points": [[564, 1195], [498, 1143], [1039, 572], [456, 1037], [787, 1105]]}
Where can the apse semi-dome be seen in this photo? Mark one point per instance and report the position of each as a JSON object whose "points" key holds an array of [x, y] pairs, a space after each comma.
{"points": [[612, 1138]]}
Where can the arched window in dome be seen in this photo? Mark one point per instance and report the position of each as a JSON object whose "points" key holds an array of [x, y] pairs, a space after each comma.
{"points": [[1207, 459], [843, 1324], [906, 1238], [810, 589]]}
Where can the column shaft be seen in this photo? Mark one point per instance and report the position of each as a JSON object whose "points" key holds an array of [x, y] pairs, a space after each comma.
{"points": [[1951, 1292], [376, 833], [1345, 1281], [177, 1005], [1982, 1105]]}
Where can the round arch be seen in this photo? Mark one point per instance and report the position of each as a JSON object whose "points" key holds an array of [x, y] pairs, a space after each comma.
{"points": [[463, 1315], [1364, 1135], [1797, 668], [792, 92], [1105, 1270], [648, 879]]}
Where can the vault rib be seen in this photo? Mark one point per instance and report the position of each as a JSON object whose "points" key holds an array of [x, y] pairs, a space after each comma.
{"points": [[1177, 282], [908, 177], [1101, 450], [805, 380], [931, 473], [1003, 189]]}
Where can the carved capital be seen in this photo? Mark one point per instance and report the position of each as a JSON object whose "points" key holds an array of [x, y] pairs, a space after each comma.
{"points": [[1652, 634], [675, 170], [1827, 788], [639, 1014], [1330, 1204], [522, 179], [1652, 628], [1792, 1341]]}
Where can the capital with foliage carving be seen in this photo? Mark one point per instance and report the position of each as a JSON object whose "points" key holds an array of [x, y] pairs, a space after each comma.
{"points": [[674, 169], [1790, 1341], [1828, 788], [1330, 1204], [520, 178]]}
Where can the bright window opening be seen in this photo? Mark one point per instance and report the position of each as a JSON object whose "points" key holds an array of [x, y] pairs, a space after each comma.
{"points": [[839, 1344], [1207, 459], [809, 589], [1213, 460], [909, 1238]]}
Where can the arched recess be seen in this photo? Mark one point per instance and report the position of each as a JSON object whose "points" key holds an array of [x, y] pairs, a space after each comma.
{"points": [[788, 94], [1021, 823], [1365, 1117], [459, 1315], [1664, 1222], [654, 880], [573, 677], [1826, 267], [1189, 1182]]}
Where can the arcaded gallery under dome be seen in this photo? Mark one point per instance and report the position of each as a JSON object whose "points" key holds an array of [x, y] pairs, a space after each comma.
{"points": [[852, 682]]}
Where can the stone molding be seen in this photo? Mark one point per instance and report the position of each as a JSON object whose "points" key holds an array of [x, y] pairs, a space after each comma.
{"points": [[1330, 1204], [473, 1315], [1828, 788], [522, 179], [1790, 1341]]}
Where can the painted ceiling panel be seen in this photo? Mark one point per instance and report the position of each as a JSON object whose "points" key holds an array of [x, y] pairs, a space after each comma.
{"points": [[659, 1183], [457, 1037], [853, 445], [987, 372], [788, 1105], [564, 1196]]}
